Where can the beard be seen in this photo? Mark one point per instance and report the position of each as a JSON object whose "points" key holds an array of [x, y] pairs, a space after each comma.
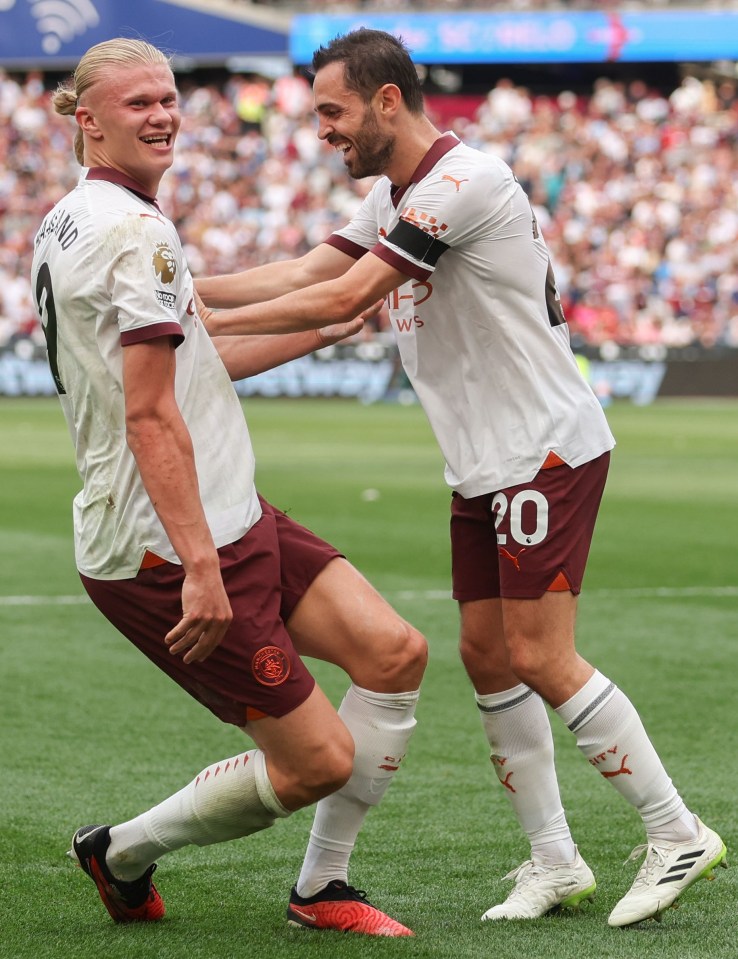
{"points": [[372, 151]]}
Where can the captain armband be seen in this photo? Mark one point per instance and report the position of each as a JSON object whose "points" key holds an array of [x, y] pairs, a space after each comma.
{"points": [[417, 243]]}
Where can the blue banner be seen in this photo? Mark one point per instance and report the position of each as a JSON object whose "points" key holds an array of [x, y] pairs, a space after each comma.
{"points": [[561, 37], [49, 33]]}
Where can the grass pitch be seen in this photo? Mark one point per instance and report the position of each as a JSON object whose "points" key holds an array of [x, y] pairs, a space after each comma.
{"points": [[93, 733]]}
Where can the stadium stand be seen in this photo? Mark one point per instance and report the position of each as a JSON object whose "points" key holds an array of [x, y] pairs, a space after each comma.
{"points": [[635, 189]]}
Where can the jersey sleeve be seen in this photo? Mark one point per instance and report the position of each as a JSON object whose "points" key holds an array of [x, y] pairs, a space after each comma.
{"points": [[144, 279], [445, 211]]}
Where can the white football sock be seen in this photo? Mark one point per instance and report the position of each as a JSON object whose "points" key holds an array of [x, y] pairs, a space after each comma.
{"points": [[381, 725], [519, 735], [609, 732], [229, 799]]}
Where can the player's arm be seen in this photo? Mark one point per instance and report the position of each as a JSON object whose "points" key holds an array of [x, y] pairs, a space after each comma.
{"points": [[248, 355], [265, 282], [162, 447], [322, 304]]}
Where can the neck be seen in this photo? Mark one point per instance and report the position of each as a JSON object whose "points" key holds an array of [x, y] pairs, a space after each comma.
{"points": [[410, 148], [113, 175], [148, 187]]}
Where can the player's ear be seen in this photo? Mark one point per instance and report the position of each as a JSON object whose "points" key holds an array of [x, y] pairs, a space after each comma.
{"points": [[388, 98], [87, 123]]}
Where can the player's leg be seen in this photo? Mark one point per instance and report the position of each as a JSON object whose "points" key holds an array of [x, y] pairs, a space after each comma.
{"points": [[303, 756], [341, 619], [518, 731], [539, 634], [515, 722], [254, 672], [611, 735], [517, 727]]}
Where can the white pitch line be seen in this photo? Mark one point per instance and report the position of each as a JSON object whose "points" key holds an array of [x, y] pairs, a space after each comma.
{"points": [[44, 600], [646, 592], [664, 591]]}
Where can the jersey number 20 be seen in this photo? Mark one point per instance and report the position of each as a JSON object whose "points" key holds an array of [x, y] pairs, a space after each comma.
{"points": [[513, 510]]}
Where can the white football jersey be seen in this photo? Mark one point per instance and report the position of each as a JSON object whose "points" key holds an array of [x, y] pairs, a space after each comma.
{"points": [[108, 271], [480, 328]]}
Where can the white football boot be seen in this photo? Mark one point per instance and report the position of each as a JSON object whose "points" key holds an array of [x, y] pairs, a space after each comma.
{"points": [[668, 869], [540, 888]]}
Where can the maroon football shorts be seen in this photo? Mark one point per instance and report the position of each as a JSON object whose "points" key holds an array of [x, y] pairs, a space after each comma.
{"points": [[525, 540], [255, 670]]}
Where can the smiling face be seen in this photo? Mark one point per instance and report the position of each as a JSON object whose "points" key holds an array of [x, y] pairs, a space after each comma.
{"points": [[351, 125], [130, 120]]}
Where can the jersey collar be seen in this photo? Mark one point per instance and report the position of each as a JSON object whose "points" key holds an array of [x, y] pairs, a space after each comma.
{"points": [[439, 148], [115, 176]]}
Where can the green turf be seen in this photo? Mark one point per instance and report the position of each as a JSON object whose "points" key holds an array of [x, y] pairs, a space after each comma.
{"points": [[91, 732]]}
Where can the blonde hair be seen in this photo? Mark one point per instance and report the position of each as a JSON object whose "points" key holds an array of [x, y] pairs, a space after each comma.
{"points": [[93, 68]]}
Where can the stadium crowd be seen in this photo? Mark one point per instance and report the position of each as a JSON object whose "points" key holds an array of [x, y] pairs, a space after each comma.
{"points": [[636, 192]]}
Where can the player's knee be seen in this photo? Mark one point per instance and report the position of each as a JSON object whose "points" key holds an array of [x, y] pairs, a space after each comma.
{"points": [[400, 662], [527, 663], [327, 768], [332, 777], [334, 767], [482, 657], [472, 653], [414, 656]]}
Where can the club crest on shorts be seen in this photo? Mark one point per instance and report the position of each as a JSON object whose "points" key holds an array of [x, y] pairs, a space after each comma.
{"points": [[270, 666]]}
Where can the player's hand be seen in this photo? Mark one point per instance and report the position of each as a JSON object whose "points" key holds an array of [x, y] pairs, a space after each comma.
{"points": [[372, 310], [204, 312], [327, 335], [206, 616]]}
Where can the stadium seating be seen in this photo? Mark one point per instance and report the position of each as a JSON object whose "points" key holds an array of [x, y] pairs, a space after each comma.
{"points": [[635, 190]]}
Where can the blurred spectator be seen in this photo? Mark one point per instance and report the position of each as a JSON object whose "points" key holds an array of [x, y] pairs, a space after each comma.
{"points": [[636, 192]]}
